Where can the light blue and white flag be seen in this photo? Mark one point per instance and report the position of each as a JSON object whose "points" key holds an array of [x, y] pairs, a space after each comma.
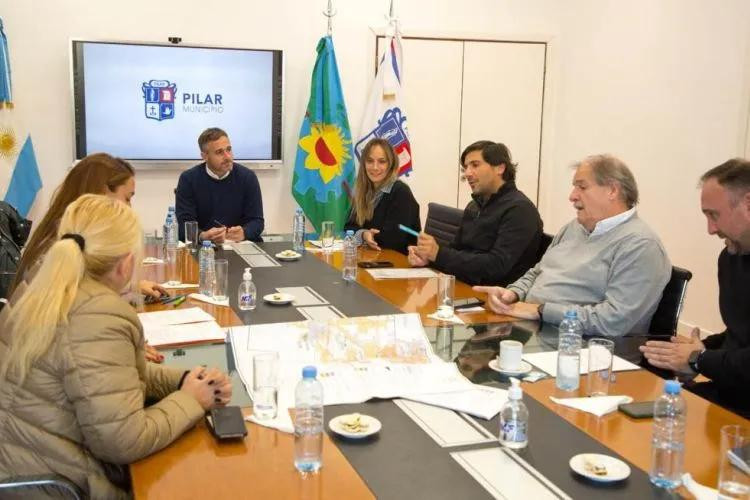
{"points": [[19, 172], [385, 116]]}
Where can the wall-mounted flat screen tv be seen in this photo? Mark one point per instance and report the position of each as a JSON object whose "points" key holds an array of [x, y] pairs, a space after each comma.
{"points": [[149, 103]]}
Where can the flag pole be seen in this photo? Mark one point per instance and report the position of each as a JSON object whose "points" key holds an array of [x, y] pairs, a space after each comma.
{"points": [[391, 18], [329, 13]]}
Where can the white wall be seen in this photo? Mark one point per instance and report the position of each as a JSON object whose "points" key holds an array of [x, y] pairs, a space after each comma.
{"points": [[662, 83]]}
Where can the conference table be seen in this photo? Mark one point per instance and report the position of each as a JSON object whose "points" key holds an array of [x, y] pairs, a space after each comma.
{"points": [[406, 458]]}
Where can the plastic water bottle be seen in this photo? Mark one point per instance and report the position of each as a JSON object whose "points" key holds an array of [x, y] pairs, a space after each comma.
{"points": [[350, 257], [569, 352], [206, 269], [514, 418], [308, 422], [247, 293], [298, 231], [668, 442], [173, 231]]}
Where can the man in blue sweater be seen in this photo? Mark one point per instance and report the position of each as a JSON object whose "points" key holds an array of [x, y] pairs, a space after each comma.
{"points": [[223, 196]]}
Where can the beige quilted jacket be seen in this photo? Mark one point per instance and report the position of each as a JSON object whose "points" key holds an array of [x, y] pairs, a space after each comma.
{"points": [[81, 407]]}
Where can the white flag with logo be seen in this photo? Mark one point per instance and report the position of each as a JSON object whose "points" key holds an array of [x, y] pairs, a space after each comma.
{"points": [[385, 116]]}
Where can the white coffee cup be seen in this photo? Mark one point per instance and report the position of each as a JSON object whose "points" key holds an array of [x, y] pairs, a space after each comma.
{"points": [[510, 355]]}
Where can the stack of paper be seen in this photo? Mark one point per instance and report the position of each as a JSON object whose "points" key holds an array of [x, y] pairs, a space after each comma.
{"points": [[181, 326], [547, 361], [402, 273]]}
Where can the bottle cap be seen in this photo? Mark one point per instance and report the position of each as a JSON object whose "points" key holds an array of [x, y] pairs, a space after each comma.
{"points": [[171, 208], [350, 232], [247, 275], [515, 392], [309, 372], [206, 244], [298, 211], [672, 387], [571, 313]]}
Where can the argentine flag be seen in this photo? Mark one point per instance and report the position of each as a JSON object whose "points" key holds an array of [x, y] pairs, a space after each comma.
{"points": [[19, 173]]}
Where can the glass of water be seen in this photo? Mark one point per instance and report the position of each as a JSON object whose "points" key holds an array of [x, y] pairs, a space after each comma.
{"points": [[327, 234], [265, 385], [734, 479], [601, 354], [221, 283], [191, 235], [446, 287]]}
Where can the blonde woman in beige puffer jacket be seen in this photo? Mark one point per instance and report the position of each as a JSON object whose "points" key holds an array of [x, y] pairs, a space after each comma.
{"points": [[73, 377]]}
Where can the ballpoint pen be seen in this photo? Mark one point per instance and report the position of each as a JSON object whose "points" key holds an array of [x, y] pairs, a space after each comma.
{"points": [[408, 230]]}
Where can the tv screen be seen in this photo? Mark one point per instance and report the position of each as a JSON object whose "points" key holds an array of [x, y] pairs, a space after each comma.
{"points": [[151, 102]]}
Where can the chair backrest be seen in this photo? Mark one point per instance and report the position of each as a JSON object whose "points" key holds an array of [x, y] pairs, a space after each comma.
{"points": [[664, 321], [41, 486], [543, 246], [443, 222]]}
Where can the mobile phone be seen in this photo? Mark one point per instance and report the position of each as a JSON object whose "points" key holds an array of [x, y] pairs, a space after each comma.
{"points": [[640, 409], [373, 264], [226, 423], [467, 303]]}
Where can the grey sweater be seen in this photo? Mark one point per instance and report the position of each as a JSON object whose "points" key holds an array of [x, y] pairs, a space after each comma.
{"points": [[614, 281]]}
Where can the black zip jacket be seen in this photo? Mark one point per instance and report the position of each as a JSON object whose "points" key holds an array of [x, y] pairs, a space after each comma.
{"points": [[497, 242]]}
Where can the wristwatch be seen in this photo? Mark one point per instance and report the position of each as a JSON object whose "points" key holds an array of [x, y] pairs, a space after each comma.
{"points": [[694, 360]]}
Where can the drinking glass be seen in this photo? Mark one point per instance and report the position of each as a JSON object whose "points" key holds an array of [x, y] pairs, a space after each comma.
{"points": [[327, 234], [154, 246], [601, 354], [191, 235], [265, 385], [221, 279], [446, 286], [173, 270], [734, 482]]}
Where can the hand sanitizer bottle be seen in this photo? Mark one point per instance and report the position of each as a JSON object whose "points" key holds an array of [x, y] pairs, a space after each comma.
{"points": [[247, 293], [514, 418]]}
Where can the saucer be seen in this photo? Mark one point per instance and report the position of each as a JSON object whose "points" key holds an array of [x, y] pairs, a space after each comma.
{"points": [[523, 368], [278, 298], [337, 425], [288, 255], [614, 468]]}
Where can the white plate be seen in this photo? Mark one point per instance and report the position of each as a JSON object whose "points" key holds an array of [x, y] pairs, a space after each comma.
{"points": [[289, 257], [617, 470], [373, 426], [279, 298], [523, 368]]}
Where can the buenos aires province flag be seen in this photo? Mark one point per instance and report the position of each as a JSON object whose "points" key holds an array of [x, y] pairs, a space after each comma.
{"points": [[385, 116], [323, 168]]}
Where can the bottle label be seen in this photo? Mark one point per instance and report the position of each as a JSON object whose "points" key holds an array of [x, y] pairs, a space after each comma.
{"points": [[246, 299], [513, 431]]}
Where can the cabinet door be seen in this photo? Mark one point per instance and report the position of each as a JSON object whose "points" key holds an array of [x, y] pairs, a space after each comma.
{"points": [[432, 90], [503, 87]]}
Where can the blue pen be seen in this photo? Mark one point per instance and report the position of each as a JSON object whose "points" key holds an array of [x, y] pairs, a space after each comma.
{"points": [[408, 230]]}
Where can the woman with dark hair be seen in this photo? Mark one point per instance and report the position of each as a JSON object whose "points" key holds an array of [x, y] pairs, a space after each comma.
{"points": [[98, 173], [381, 201]]}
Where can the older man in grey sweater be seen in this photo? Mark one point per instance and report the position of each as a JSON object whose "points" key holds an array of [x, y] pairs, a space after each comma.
{"points": [[607, 265]]}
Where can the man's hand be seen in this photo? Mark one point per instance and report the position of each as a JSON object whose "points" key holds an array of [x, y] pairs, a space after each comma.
{"points": [[152, 289], [498, 298], [427, 247], [215, 234], [369, 238], [414, 259], [673, 355], [235, 233]]}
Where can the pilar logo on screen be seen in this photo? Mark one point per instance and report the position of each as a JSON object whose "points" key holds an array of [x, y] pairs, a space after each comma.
{"points": [[159, 98]]}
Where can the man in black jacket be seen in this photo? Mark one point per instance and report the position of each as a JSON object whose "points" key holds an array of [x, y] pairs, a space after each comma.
{"points": [[501, 230], [724, 357]]}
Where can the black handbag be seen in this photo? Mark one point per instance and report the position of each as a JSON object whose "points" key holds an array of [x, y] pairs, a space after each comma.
{"points": [[14, 231]]}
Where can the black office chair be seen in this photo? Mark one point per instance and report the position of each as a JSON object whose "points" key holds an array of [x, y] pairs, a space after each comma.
{"points": [[664, 321], [42, 486], [442, 222], [543, 246]]}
